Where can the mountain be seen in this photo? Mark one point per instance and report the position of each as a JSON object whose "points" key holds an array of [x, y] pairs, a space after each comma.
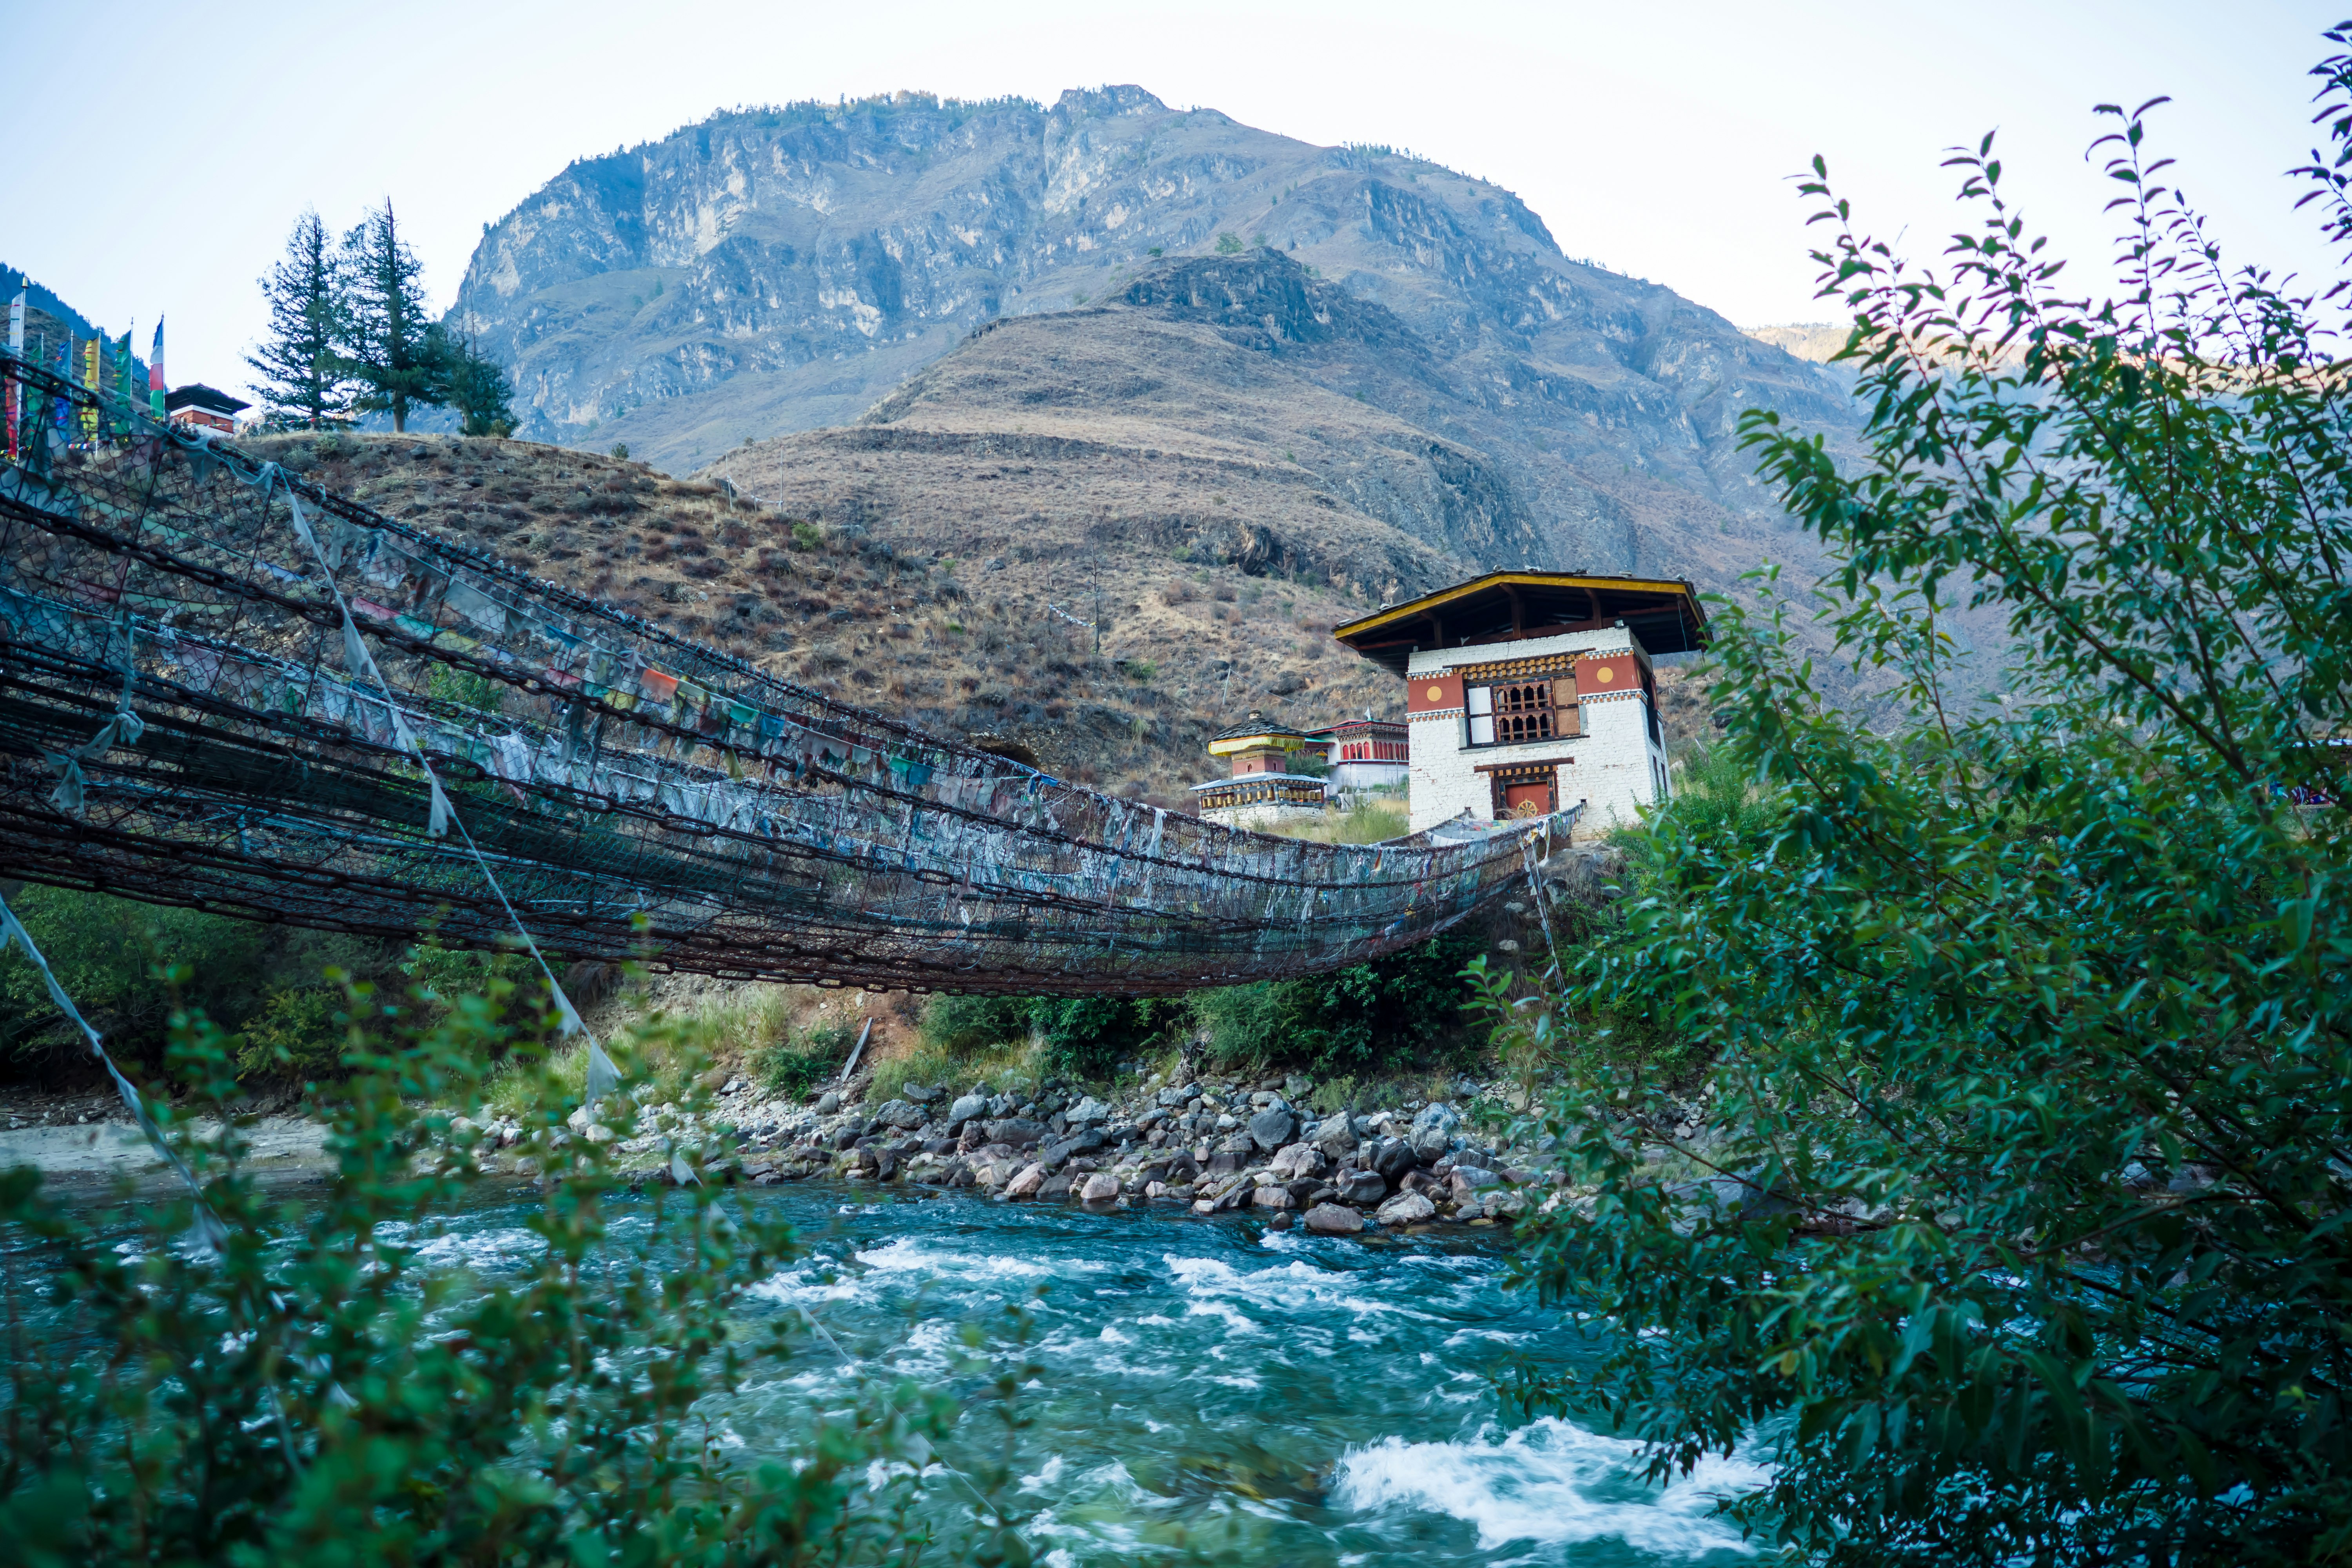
{"points": [[1236, 409], [781, 270]]}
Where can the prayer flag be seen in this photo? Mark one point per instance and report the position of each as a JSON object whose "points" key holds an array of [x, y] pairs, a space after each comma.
{"points": [[93, 356], [156, 386], [15, 388]]}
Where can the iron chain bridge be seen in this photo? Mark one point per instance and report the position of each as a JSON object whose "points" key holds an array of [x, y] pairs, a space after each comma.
{"points": [[224, 687]]}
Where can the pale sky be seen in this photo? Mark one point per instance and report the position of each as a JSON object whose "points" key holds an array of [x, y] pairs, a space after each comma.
{"points": [[158, 154]]}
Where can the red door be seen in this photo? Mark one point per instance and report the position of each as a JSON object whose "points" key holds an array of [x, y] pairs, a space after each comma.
{"points": [[1527, 800]]}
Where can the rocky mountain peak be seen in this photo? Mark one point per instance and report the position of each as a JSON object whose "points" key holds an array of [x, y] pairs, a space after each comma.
{"points": [[1105, 103]]}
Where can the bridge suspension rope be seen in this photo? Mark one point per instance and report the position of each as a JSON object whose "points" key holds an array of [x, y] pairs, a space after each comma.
{"points": [[223, 687]]}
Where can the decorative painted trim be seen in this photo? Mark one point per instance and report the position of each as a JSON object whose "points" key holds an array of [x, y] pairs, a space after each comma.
{"points": [[1515, 668]]}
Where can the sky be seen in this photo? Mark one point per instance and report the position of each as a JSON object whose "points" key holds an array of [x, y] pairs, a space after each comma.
{"points": [[160, 155]]}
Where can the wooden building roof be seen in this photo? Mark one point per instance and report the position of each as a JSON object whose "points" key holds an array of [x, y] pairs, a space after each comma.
{"points": [[1662, 613]]}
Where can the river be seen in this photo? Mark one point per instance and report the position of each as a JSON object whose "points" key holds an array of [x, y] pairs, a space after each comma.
{"points": [[1288, 1398]]}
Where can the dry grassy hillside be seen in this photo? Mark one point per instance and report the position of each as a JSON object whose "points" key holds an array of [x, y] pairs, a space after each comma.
{"points": [[947, 643]]}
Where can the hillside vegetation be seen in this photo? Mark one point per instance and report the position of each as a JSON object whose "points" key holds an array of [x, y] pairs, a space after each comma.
{"points": [[920, 632]]}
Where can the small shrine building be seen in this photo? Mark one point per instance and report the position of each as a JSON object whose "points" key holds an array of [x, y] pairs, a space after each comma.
{"points": [[1263, 791], [196, 403], [1365, 753]]}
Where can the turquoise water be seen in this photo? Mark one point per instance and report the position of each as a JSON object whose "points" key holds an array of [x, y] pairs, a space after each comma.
{"points": [[1290, 1399]]}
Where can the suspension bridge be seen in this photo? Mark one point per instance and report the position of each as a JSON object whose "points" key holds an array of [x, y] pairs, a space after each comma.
{"points": [[224, 687]]}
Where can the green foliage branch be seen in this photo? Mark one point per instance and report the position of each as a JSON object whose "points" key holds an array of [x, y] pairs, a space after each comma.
{"points": [[2019, 1228], [320, 1391]]}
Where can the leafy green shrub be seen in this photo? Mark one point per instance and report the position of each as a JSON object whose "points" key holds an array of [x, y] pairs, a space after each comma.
{"points": [[807, 536], [105, 951], [1334, 1095], [109, 954], [2031, 1023], [797, 1062], [299, 1031], [1380, 1017], [958, 1025], [317, 1392], [1088, 1037], [1229, 245]]}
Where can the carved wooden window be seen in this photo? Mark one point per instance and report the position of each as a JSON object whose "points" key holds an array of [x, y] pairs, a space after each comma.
{"points": [[1517, 712]]}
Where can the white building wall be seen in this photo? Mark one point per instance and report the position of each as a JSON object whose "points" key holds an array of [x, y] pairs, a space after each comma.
{"points": [[1366, 775], [1615, 767], [1614, 773]]}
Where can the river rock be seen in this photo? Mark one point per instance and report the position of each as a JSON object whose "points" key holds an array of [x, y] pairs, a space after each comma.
{"points": [[1016, 1132], [922, 1093], [966, 1108], [1271, 1128], [1272, 1198], [1330, 1219], [829, 1103], [1441, 1116], [1060, 1150], [1087, 1113], [1101, 1187], [902, 1115], [1406, 1208], [1393, 1158], [1361, 1186], [1027, 1182], [1233, 1193], [1297, 1160], [1429, 1143], [1467, 1180], [1057, 1185], [1333, 1137], [1503, 1204]]}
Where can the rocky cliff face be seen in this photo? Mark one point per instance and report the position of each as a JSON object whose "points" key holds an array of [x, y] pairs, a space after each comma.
{"points": [[782, 270]]}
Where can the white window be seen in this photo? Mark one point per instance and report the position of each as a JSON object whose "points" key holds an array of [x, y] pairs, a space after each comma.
{"points": [[1482, 715]]}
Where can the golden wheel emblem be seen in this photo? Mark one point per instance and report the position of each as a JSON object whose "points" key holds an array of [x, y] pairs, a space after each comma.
{"points": [[1527, 809]]}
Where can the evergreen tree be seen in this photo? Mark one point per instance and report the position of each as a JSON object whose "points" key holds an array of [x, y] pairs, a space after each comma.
{"points": [[302, 380], [388, 345], [476, 387]]}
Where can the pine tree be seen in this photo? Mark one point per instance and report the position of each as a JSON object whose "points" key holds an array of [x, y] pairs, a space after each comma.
{"points": [[388, 346], [302, 380], [476, 386]]}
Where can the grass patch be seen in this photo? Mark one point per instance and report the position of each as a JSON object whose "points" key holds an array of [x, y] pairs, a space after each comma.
{"points": [[1005, 1067], [1366, 822]]}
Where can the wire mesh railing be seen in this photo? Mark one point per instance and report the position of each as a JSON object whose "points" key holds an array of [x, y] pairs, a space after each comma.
{"points": [[223, 687]]}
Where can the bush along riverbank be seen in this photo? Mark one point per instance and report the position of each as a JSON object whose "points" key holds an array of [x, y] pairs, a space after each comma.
{"points": [[1211, 1147]]}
